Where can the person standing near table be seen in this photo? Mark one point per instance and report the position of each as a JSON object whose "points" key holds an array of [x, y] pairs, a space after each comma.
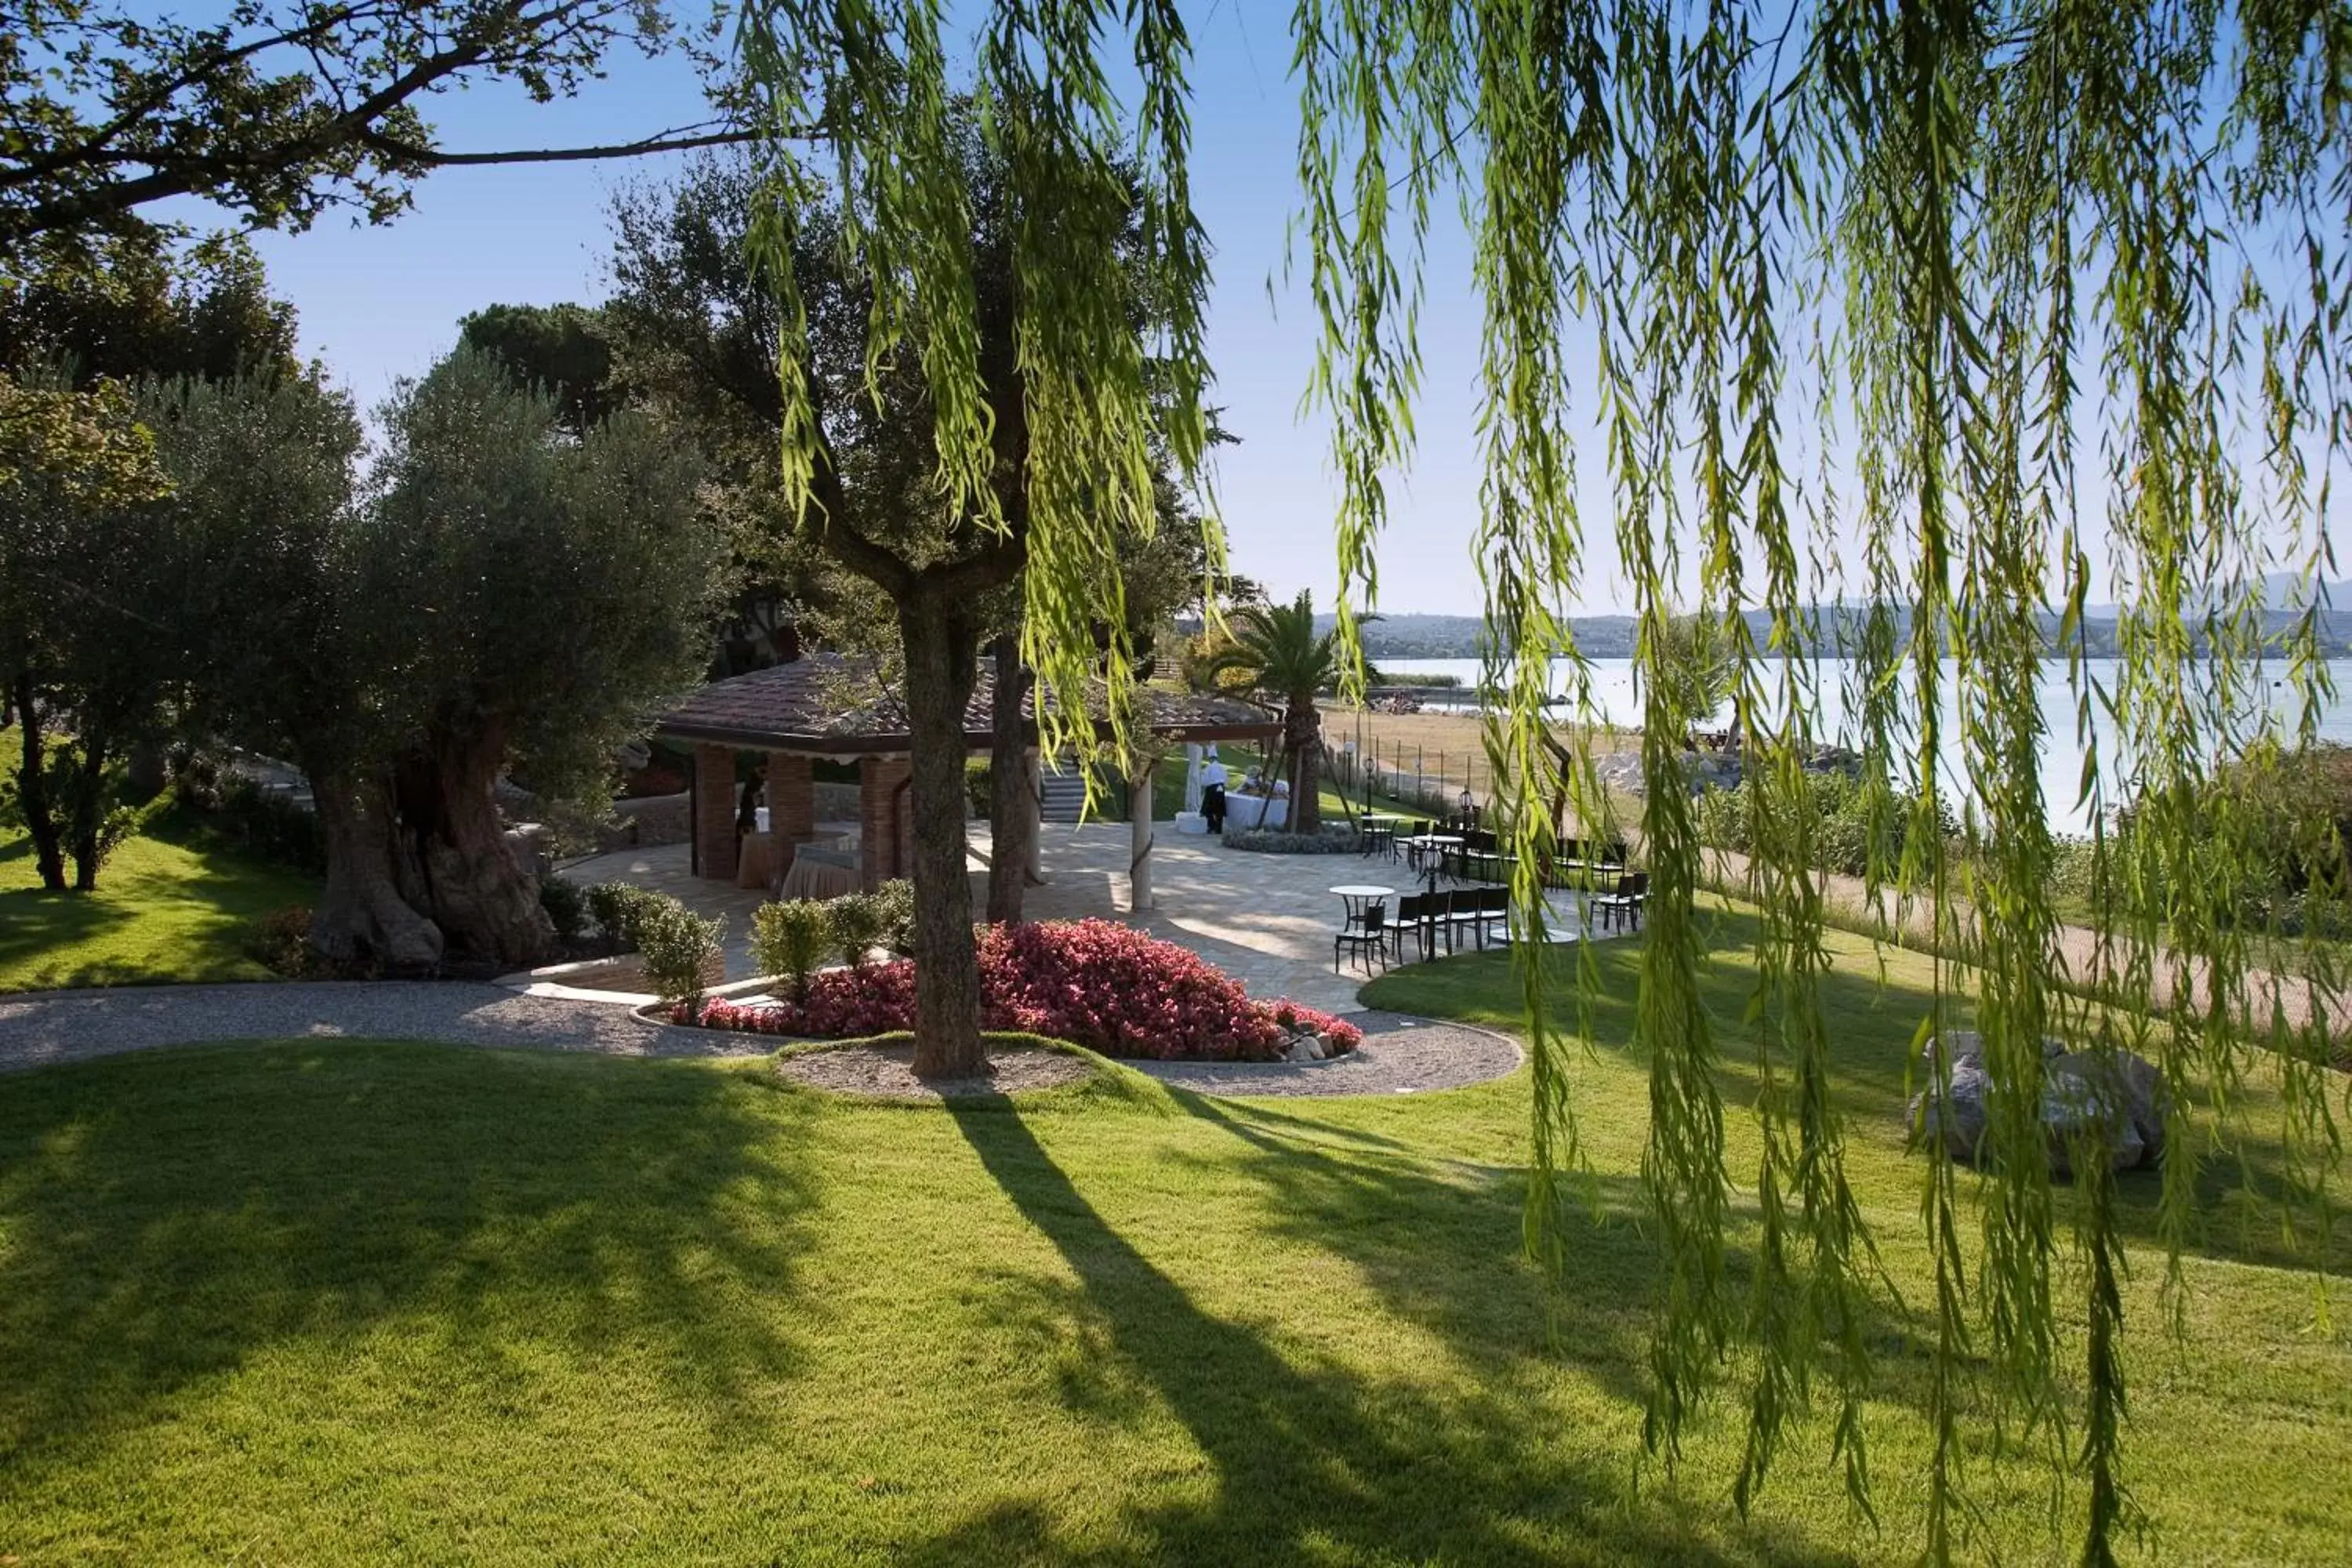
{"points": [[1212, 792]]}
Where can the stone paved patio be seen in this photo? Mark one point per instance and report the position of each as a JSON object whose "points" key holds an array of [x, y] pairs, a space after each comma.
{"points": [[1265, 919]]}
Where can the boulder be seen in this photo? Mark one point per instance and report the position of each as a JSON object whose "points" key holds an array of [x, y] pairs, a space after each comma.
{"points": [[2083, 1095], [1304, 1049]]}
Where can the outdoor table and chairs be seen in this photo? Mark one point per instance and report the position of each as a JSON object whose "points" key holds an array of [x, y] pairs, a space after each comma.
{"points": [[1365, 922]]}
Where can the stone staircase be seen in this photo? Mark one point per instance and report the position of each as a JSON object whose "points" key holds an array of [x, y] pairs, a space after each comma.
{"points": [[1062, 795]]}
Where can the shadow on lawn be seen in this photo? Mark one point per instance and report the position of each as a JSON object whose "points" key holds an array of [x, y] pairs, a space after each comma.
{"points": [[164, 1227], [1314, 1460]]}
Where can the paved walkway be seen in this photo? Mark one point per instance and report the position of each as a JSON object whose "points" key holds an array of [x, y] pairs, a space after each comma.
{"points": [[1399, 1056], [41, 1027], [2264, 996]]}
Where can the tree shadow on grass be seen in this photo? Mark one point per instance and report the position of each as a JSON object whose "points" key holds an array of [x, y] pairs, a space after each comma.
{"points": [[1312, 1459], [165, 1220]]}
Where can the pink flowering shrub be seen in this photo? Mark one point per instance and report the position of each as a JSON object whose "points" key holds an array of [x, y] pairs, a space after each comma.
{"points": [[1093, 983]]}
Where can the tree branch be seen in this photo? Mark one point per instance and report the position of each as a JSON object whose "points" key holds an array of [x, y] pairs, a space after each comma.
{"points": [[434, 158]]}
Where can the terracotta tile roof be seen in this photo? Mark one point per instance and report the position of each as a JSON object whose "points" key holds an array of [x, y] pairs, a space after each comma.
{"points": [[829, 705]]}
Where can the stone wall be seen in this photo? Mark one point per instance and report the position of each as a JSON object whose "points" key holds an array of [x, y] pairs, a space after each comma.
{"points": [[649, 820], [836, 801]]}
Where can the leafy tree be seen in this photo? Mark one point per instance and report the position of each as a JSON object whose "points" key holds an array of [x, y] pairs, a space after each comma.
{"points": [[130, 303], [282, 111], [1276, 650], [697, 325], [99, 589], [502, 595], [1993, 204], [72, 464], [566, 350]]}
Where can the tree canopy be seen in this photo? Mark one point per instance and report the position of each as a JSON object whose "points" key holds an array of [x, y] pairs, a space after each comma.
{"points": [[1968, 285], [284, 111]]}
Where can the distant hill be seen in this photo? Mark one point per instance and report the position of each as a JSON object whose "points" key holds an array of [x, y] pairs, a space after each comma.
{"points": [[1410, 636]]}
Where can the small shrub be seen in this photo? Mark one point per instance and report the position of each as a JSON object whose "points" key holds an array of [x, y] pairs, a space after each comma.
{"points": [[1334, 841], [618, 908], [980, 788], [676, 947], [858, 921], [792, 938], [281, 942], [896, 900], [566, 906]]}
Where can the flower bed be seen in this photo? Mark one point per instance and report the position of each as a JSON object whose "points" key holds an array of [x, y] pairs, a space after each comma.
{"points": [[1096, 984]]}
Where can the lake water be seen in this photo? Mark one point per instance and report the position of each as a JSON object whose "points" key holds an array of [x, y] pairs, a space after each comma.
{"points": [[1615, 698]]}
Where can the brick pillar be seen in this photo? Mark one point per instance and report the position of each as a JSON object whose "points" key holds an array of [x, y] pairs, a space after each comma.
{"points": [[881, 814], [792, 805], [714, 813]]}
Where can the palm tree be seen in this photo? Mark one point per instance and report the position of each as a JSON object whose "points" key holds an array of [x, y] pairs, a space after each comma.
{"points": [[1288, 662]]}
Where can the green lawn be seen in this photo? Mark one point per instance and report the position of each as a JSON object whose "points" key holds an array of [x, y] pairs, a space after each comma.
{"points": [[361, 1303], [173, 903]]}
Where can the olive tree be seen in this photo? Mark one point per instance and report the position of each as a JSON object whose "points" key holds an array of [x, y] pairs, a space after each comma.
{"points": [[499, 592]]}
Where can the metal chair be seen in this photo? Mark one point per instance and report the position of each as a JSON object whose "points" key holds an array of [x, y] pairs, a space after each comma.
{"points": [[1369, 935], [1625, 903]]}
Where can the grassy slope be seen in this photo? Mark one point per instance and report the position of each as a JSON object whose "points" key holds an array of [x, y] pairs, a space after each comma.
{"points": [[331, 1302], [174, 903]]}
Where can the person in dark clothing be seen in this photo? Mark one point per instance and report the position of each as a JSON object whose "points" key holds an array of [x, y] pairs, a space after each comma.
{"points": [[1213, 792]]}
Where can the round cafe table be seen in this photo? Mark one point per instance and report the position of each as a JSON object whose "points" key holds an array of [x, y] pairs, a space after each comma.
{"points": [[1358, 897]]}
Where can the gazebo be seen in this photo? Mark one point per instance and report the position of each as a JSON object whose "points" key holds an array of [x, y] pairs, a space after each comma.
{"points": [[837, 708]]}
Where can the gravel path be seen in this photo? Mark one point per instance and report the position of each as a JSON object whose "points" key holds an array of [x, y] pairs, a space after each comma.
{"points": [[72, 1026], [1399, 1056]]}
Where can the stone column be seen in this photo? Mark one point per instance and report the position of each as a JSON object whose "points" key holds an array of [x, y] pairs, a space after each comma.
{"points": [[792, 805], [1138, 866], [882, 853], [1033, 791], [714, 813]]}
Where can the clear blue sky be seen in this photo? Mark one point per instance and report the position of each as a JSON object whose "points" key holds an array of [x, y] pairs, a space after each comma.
{"points": [[381, 303]]}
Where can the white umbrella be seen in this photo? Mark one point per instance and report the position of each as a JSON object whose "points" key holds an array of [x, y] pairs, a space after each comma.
{"points": [[1192, 786]]}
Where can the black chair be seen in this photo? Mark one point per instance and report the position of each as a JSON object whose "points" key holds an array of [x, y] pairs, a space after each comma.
{"points": [[1412, 921], [1494, 906], [1369, 935], [1459, 913], [1625, 903]]}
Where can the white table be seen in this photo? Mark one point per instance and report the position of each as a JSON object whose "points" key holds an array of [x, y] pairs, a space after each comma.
{"points": [[1355, 897], [1243, 810]]}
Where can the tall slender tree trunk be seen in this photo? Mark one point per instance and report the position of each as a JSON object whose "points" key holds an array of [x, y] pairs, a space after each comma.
{"points": [[1012, 824], [89, 808], [33, 786], [361, 917], [943, 653]]}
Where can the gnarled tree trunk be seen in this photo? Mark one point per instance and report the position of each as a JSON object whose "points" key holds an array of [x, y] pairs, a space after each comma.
{"points": [[362, 919], [453, 863], [1012, 822], [943, 651]]}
